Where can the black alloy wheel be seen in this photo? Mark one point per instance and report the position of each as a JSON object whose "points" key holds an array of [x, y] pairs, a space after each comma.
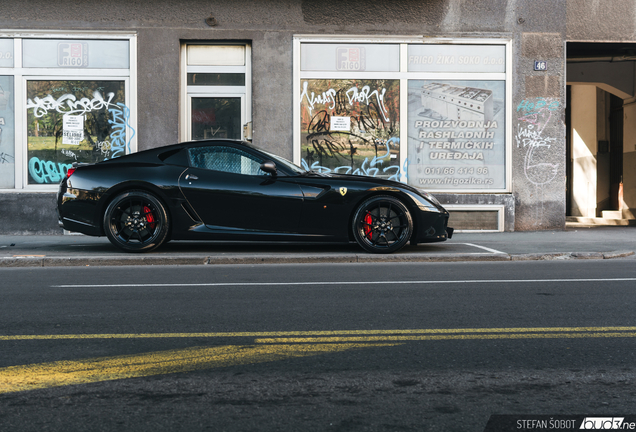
{"points": [[382, 224], [136, 221]]}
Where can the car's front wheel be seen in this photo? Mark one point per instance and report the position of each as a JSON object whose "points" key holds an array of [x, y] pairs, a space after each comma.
{"points": [[136, 221], [382, 224]]}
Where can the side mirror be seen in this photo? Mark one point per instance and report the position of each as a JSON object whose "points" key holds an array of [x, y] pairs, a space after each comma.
{"points": [[269, 167]]}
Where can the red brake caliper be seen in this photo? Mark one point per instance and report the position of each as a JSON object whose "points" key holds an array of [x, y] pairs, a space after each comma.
{"points": [[149, 217], [368, 221]]}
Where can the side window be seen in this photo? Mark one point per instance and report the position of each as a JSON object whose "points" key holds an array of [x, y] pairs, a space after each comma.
{"points": [[225, 159]]}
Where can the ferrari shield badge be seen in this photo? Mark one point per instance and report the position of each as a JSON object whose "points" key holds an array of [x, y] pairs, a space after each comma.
{"points": [[343, 191]]}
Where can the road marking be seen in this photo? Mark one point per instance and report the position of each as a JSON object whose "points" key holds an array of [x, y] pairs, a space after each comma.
{"points": [[284, 334], [265, 347], [72, 372], [319, 283], [494, 251], [445, 337]]}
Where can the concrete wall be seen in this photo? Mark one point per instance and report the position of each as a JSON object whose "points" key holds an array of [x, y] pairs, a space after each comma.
{"points": [[591, 20], [537, 29], [28, 213], [538, 122]]}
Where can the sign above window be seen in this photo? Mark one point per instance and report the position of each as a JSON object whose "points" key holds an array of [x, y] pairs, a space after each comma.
{"points": [[338, 57], [216, 55], [457, 58], [351, 59], [72, 54], [68, 53], [6, 52]]}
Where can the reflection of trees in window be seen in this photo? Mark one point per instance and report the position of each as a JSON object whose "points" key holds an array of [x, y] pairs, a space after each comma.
{"points": [[368, 146]]}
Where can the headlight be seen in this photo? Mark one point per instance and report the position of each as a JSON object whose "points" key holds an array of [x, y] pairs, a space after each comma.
{"points": [[431, 198], [425, 202]]}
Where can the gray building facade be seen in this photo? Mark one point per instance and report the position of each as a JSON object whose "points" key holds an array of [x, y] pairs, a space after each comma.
{"points": [[515, 114]]}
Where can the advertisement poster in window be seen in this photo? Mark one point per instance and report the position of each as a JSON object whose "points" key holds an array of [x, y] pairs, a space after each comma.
{"points": [[351, 126], [456, 135], [7, 133], [74, 121]]}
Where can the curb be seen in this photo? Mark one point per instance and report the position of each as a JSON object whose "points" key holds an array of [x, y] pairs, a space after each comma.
{"points": [[30, 261]]}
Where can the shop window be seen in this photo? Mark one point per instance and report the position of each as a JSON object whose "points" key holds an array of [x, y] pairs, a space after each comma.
{"points": [[73, 121], [351, 126], [456, 137], [63, 100], [433, 115]]}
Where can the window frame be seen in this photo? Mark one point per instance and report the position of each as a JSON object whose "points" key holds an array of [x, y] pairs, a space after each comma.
{"points": [[22, 75], [405, 76], [187, 92]]}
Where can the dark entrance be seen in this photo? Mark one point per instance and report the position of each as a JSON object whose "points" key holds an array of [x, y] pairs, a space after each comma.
{"points": [[611, 68]]}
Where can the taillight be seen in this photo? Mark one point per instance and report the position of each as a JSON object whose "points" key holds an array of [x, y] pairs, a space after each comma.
{"points": [[70, 172]]}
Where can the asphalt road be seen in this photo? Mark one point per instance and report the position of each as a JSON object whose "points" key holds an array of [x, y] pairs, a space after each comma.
{"points": [[343, 347]]}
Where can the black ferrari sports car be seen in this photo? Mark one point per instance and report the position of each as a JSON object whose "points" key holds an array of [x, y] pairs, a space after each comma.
{"points": [[230, 190]]}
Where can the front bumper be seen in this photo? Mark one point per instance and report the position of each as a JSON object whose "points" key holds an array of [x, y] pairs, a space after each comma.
{"points": [[433, 227]]}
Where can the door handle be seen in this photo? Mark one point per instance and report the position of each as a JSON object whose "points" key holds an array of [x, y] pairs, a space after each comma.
{"points": [[191, 177]]}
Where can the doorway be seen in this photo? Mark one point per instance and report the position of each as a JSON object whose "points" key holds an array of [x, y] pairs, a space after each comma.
{"points": [[601, 93], [217, 92]]}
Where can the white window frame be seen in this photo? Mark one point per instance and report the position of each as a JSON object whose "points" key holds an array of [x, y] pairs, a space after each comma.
{"points": [[21, 75], [188, 92], [404, 76]]}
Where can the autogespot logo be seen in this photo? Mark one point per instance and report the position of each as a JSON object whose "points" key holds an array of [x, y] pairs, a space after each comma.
{"points": [[606, 423]]}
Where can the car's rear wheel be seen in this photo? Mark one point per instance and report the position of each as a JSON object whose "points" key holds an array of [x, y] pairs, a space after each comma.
{"points": [[136, 221], [382, 224]]}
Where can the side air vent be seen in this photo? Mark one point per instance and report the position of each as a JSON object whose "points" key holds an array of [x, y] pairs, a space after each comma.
{"points": [[485, 218], [190, 211]]}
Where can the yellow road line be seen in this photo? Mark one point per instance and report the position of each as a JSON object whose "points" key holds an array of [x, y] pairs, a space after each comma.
{"points": [[446, 337], [268, 346], [315, 333], [62, 373]]}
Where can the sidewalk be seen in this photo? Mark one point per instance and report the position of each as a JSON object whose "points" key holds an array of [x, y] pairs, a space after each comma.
{"points": [[604, 242]]}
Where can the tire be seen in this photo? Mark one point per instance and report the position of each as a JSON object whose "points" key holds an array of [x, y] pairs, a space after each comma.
{"points": [[136, 221], [382, 224]]}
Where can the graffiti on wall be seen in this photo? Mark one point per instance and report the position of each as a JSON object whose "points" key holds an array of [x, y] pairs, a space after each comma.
{"points": [[535, 116]]}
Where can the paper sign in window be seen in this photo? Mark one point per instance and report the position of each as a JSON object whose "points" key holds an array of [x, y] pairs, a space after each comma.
{"points": [[73, 129], [341, 124]]}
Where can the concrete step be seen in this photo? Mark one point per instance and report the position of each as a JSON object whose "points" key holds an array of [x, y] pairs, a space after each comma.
{"points": [[599, 221], [612, 214]]}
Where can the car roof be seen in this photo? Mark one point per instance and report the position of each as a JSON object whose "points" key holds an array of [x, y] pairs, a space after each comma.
{"points": [[151, 155]]}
